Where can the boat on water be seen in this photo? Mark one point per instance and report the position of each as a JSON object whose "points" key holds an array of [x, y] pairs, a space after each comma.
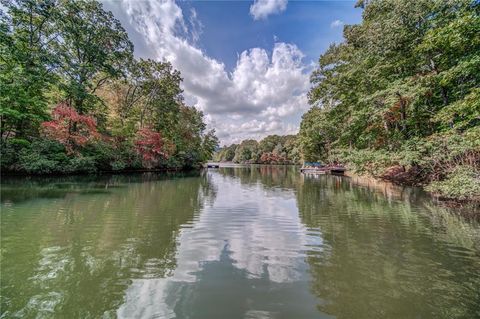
{"points": [[319, 168]]}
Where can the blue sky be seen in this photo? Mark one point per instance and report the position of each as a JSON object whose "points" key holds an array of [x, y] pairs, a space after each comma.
{"points": [[229, 28], [245, 64]]}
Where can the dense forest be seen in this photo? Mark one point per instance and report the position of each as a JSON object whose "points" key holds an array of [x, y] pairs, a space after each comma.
{"points": [[400, 97], [74, 99], [273, 149]]}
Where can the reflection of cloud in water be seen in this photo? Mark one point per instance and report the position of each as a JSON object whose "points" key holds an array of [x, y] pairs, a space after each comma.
{"points": [[266, 242], [146, 299]]}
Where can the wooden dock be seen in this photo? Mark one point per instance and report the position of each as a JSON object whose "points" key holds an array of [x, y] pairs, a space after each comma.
{"points": [[334, 170]]}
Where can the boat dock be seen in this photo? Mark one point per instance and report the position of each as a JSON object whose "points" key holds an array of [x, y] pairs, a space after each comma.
{"points": [[320, 169]]}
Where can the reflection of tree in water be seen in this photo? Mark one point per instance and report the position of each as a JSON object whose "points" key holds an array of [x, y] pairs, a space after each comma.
{"points": [[384, 258], [75, 254], [270, 176], [16, 189]]}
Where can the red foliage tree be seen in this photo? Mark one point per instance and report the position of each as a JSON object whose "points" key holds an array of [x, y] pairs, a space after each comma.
{"points": [[70, 128], [152, 147], [265, 158], [272, 158]]}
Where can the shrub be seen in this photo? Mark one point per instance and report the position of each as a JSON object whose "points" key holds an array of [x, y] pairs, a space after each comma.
{"points": [[365, 161], [35, 163], [46, 156], [426, 159], [103, 152], [462, 183], [10, 150], [43, 157], [81, 164], [440, 154], [118, 165]]}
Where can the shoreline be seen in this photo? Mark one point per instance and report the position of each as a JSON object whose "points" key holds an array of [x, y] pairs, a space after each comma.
{"points": [[101, 172], [453, 203], [445, 201]]}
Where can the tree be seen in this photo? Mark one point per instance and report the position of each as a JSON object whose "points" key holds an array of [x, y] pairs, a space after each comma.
{"points": [[61, 128], [76, 52], [273, 149], [292, 148], [405, 63], [152, 147], [316, 135], [73, 44], [226, 153], [267, 144], [247, 151], [400, 93], [149, 95], [92, 48], [188, 135], [160, 87], [26, 65], [209, 144]]}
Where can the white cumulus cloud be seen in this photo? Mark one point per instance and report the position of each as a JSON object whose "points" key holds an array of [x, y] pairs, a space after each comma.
{"points": [[336, 24], [264, 93], [260, 9]]}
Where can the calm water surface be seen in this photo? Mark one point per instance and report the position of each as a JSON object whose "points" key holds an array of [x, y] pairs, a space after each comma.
{"points": [[260, 242]]}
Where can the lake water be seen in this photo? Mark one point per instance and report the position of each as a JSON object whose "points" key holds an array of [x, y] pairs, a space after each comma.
{"points": [[259, 242]]}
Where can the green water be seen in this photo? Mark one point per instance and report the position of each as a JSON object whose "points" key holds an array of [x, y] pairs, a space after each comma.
{"points": [[260, 242]]}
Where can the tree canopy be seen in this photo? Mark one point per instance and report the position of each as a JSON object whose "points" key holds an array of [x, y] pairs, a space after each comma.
{"points": [[273, 149], [410, 69]]}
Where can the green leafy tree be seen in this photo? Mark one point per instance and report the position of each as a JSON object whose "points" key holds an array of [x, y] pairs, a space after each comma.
{"points": [[269, 143], [226, 153], [405, 63], [26, 65], [69, 52], [247, 151], [92, 48], [162, 95], [148, 95], [316, 134], [209, 144]]}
